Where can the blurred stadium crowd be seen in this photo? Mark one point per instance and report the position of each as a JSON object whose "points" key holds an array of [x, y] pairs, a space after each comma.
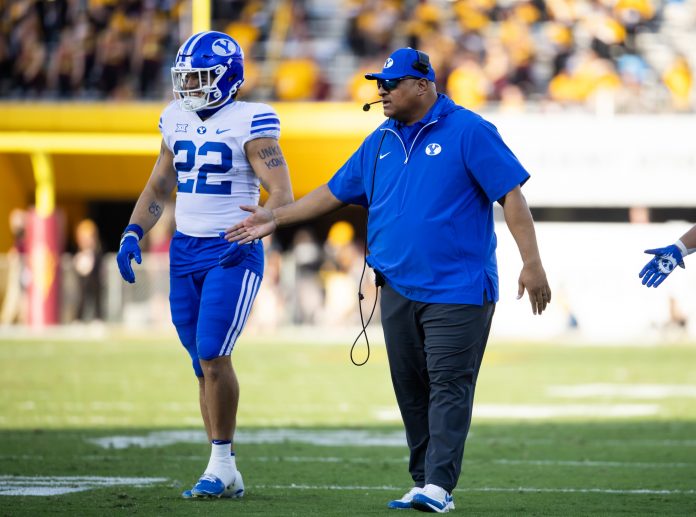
{"points": [[622, 55]]}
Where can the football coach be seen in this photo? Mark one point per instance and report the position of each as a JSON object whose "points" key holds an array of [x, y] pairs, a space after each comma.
{"points": [[428, 176]]}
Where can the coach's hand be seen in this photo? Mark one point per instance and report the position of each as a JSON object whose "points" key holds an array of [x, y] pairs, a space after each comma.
{"points": [[259, 224], [662, 264], [128, 251], [234, 254], [533, 279]]}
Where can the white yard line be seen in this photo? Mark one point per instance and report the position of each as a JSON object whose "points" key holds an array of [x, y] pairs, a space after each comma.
{"points": [[333, 438], [559, 490], [58, 485], [588, 463], [341, 438], [625, 391], [543, 411]]}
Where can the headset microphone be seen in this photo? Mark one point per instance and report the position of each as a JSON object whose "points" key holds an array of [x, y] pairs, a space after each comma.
{"points": [[366, 106]]}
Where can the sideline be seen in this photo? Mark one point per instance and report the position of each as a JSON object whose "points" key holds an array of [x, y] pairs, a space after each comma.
{"points": [[59, 485]]}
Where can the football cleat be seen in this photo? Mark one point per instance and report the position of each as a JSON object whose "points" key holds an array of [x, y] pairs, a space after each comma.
{"points": [[209, 486], [433, 499], [405, 502]]}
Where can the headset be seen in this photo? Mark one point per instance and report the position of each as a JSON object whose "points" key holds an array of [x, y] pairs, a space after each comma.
{"points": [[422, 64]]}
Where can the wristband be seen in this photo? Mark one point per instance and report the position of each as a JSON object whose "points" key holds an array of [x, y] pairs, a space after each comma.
{"points": [[134, 229], [684, 250]]}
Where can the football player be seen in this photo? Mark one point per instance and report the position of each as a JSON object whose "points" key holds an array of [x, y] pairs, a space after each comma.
{"points": [[216, 151], [666, 259]]}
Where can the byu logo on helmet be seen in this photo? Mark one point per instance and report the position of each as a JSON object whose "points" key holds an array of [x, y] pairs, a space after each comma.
{"points": [[224, 47], [433, 149], [388, 63]]}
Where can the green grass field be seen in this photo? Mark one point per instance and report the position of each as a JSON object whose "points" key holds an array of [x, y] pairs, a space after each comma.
{"points": [[558, 430]]}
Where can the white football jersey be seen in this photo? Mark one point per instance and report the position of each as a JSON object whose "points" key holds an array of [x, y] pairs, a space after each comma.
{"points": [[214, 174]]}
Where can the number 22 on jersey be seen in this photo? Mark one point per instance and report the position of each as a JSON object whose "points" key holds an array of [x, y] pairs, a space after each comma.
{"points": [[207, 151]]}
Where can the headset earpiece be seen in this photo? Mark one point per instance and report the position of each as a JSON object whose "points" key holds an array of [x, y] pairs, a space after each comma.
{"points": [[422, 64]]}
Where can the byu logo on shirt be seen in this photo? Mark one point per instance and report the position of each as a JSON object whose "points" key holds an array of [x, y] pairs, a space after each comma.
{"points": [[201, 130], [433, 149], [388, 63]]}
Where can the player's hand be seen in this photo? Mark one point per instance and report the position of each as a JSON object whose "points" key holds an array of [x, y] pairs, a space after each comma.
{"points": [[662, 264], [234, 254], [259, 224], [533, 280], [128, 251]]}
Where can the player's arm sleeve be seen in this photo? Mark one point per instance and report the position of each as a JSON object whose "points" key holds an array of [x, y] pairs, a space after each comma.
{"points": [[491, 162], [265, 123], [348, 184]]}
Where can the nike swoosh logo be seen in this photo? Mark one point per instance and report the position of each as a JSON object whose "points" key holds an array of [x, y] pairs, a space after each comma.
{"points": [[384, 155], [220, 131]]}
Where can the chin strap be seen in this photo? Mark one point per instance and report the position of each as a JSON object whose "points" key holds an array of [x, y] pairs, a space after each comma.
{"points": [[209, 112]]}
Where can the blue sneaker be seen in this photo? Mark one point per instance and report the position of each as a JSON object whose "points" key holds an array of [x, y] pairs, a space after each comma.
{"points": [[208, 486], [433, 499], [405, 502], [233, 491]]}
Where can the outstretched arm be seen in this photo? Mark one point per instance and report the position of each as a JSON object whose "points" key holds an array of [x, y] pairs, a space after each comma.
{"points": [[263, 221], [532, 277]]}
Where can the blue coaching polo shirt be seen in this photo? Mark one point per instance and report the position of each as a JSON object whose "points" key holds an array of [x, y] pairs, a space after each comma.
{"points": [[430, 219]]}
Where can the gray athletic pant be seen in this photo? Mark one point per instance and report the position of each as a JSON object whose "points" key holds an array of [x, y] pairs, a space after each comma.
{"points": [[435, 351]]}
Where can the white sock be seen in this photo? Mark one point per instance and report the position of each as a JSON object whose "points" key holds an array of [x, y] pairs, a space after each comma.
{"points": [[221, 464]]}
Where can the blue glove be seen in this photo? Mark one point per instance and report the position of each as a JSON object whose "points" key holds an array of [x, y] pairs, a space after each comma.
{"points": [[128, 251], [659, 268], [234, 255]]}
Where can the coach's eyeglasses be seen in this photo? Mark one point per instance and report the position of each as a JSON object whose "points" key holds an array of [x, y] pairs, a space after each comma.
{"points": [[392, 84]]}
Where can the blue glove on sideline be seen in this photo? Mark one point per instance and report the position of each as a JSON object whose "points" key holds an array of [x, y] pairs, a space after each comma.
{"points": [[129, 250], [659, 268], [234, 255]]}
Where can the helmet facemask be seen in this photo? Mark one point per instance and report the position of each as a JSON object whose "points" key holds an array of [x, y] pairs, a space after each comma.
{"points": [[197, 88]]}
